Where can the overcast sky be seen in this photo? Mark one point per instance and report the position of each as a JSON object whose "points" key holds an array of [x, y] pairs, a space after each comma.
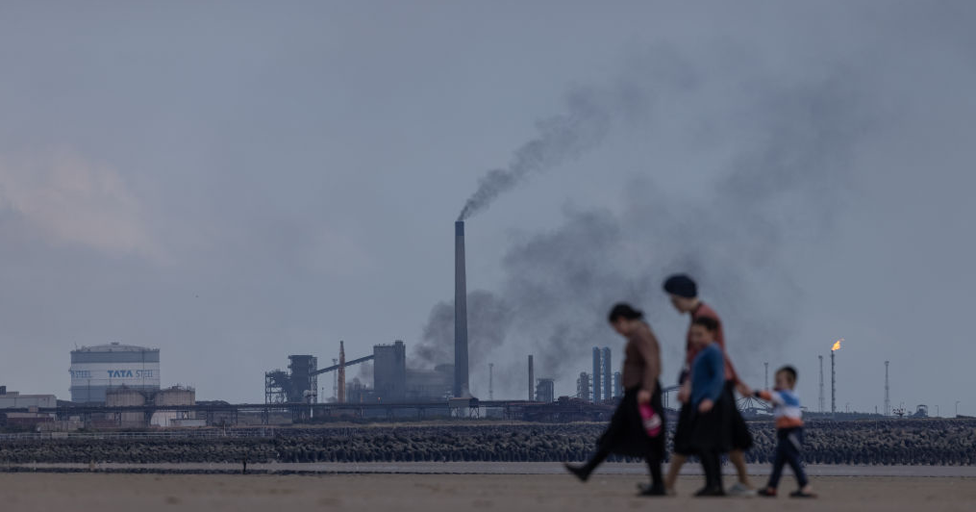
{"points": [[233, 182]]}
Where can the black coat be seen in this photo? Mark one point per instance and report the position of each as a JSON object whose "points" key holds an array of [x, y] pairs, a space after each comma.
{"points": [[626, 435]]}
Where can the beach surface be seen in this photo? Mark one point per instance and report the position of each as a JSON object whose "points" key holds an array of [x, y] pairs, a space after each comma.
{"points": [[613, 489]]}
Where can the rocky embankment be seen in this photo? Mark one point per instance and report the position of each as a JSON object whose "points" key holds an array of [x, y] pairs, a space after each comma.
{"points": [[930, 442]]}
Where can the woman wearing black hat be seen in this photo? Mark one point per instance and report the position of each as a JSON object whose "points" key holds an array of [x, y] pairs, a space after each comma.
{"points": [[630, 434], [684, 296]]}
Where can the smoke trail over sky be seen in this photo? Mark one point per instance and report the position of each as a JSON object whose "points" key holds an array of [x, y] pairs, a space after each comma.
{"points": [[786, 176], [583, 127]]}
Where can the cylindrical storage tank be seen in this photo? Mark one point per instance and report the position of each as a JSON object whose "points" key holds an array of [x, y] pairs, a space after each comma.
{"points": [[174, 396], [95, 370], [125, 397]]}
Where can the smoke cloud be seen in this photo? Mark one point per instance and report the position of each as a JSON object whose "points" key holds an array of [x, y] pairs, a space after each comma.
{"points": [[785, 178], [488, 321], [561, 138]]}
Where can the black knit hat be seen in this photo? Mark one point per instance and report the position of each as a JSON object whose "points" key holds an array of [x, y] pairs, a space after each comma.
{"points": [[682, 286]]}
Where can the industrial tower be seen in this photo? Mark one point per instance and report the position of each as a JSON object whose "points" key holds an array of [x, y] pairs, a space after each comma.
{"points": [[833, 376], [460, 315], [341, 395], [822, 401], [887, 410], [597, 381], [491, 381]]}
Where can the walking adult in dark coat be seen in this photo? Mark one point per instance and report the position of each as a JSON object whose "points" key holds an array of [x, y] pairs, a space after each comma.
{"points": [[684, 296], [627, 434]]}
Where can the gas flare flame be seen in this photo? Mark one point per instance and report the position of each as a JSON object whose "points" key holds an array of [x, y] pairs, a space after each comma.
{"points": [[837, 345]]}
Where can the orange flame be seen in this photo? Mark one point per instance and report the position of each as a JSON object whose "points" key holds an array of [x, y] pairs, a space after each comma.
{"points": [[837, 345]]}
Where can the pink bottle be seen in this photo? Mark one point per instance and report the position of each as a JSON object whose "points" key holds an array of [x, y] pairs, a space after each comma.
{"points": [[650, 419]]}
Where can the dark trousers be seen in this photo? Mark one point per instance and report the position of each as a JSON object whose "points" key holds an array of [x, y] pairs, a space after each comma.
{"points": [[653, 464], [712, 467], [626, 436], [788, 452]]}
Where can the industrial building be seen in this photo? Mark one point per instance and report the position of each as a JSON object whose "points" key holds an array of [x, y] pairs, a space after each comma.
{"points": [[15, 400], [393, 381], [125, 397], [597, 369], [128, 397], [390, 371], [96, 370], [175, 396], [583, 386], [430, 385], [545, 390], [604, 381]]}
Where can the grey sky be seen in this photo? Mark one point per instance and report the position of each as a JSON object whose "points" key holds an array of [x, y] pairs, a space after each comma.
{"points": [[234, 182]]}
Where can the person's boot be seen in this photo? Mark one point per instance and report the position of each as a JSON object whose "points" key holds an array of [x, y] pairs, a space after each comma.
{"points": [[651, 490], [710, 491], [581, 472]]}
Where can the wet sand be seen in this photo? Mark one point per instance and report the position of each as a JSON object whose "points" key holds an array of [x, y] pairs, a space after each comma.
{"points": [[451, 492]]}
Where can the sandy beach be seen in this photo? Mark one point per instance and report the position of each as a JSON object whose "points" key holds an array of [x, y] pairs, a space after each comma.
{"points": [[430, 493]]}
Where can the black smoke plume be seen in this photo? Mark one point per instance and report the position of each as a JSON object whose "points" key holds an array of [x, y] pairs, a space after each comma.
{"points": [[781, 185]]}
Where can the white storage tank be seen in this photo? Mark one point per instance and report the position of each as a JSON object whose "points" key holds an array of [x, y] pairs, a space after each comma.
{"points": [[174, 396], [126, 397], [95, 370]]}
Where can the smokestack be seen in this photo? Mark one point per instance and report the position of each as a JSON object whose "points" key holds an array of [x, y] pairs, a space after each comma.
{"points": [[341, 372], [491, 381], [822, 400], [460, 315], [887, 410], [531, 380]]}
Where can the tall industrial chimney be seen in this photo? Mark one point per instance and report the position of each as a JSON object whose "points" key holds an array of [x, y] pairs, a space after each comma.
{"points": [[822, 402], [460, 315], [531, 380], [341, 372], [491, 381], [887, 410]]}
